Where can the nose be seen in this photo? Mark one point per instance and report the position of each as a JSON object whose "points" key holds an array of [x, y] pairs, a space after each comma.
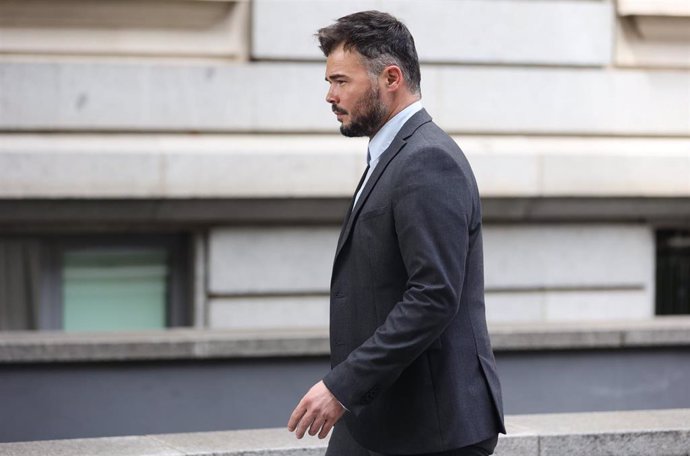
{"points": [[331, 97]]}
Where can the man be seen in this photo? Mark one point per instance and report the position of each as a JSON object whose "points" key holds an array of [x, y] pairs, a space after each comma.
{"points": [[412, 367]]}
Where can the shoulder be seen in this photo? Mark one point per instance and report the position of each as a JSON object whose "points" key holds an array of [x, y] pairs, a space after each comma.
{"points": [[429, 147], [431, 158]]}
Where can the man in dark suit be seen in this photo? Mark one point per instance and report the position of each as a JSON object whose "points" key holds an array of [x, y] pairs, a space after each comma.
{"points": [[413, 372]]}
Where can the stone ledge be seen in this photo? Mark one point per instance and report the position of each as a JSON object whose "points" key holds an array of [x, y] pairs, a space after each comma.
{"points": [[657, 332], [17, 214], [326, 166], [630, 433], [39, 347]]}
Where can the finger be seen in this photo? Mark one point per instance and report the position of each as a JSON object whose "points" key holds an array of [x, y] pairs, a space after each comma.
{"points": [[304, 423], [296, 416], [327, 426], [316, 425]]}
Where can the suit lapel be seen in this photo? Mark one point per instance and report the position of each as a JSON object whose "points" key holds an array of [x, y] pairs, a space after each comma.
{"points": [[349, 210], [417, 120]]}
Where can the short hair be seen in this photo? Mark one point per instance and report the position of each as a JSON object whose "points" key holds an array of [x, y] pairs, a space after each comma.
{"points": [[380, 38]]}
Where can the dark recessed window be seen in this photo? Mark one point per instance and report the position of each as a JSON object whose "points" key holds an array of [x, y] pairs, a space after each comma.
{"points": [[673, 272], [94, 282]]}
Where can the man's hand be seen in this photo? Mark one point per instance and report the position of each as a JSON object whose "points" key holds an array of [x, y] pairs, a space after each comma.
{"points": [[318, 411]]}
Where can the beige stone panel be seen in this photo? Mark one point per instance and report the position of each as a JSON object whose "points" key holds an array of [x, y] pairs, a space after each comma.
{"points": [[269, 312], [267, 167], [616, 175], [514, 306], [499, 31], [666, 45], [659, 8], [559, 100], [566, 166], [95, 166], [633, 304], [271, 260], [568, 256], [103, 175], [125, 27], [502, 173], [520, 306], [289, 98], [255, 166]]}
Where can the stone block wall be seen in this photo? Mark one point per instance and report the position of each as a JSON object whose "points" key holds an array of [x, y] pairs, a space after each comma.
{"points": [[577, 128]]}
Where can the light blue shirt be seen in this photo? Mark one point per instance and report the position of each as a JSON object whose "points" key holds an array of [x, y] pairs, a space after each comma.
{"points": [[384, 137]]}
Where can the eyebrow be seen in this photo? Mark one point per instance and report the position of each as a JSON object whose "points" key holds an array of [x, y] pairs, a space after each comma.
{"points": [[335, 76]]}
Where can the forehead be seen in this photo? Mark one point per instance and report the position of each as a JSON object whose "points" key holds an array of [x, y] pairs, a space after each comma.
{"points": [[342, 62]]}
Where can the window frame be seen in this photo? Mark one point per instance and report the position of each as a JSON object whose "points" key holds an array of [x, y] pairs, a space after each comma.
{"points": [[179, 284]]}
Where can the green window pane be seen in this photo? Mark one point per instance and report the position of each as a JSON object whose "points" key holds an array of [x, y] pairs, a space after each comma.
{"points": [[108, 289]]}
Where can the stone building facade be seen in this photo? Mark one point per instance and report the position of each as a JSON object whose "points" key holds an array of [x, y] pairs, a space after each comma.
{"points": [[179, 156]]}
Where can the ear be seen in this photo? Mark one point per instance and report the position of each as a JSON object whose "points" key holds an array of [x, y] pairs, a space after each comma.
{"points": [[393, 77]]}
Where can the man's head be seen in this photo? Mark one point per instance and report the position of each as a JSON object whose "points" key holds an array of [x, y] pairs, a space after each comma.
{"points": [[372, 68]]}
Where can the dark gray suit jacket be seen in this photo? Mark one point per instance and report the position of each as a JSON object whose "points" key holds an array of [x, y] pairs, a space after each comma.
{"points": [[410, 352]]}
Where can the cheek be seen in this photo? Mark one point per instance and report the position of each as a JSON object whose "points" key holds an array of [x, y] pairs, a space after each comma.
{"points": [[351, 99]]}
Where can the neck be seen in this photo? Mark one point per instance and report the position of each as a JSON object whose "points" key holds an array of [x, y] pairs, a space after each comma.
{"points": [[396, 108]]}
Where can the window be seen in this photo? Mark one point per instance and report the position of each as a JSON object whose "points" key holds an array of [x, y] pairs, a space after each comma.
{"points": [[673, 272], [93, 283]]}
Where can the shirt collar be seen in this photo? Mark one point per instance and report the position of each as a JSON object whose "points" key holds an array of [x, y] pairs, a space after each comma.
{"points": [[384, 137]]}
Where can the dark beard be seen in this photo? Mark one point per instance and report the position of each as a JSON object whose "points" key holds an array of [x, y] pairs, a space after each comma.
{"points": [[372, 113]]}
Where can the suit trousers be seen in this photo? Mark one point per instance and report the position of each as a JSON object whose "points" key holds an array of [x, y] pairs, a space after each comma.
{"points": [[342, 444]]}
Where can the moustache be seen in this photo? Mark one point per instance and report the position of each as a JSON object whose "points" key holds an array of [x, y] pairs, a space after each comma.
{"points": [[338, 110]]}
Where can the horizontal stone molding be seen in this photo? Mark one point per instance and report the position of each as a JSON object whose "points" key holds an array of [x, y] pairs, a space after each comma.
{"points": [[44, 346], [141, 96], [18, 215], [471, 31], [629, 433], [325, 166]]}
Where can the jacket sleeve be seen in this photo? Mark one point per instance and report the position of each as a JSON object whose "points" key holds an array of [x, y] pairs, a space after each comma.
{"points": [[431, 205]]}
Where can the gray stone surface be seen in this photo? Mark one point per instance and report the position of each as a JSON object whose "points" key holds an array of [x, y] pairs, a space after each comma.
{"points": [[108, 96], [632, 433], [47, 346], [259, 442], [557, 272], [518, 441], [567, 257], [267, 312], [471, 31], [266, 260], [654, 432], [544, 272], [107, 446], [18, 347]]}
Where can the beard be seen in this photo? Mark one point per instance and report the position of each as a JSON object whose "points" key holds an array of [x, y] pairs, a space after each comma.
{"points": [[367, 115]]}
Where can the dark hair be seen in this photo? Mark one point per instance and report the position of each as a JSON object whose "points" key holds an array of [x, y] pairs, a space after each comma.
{"points": [[380, 38]]}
